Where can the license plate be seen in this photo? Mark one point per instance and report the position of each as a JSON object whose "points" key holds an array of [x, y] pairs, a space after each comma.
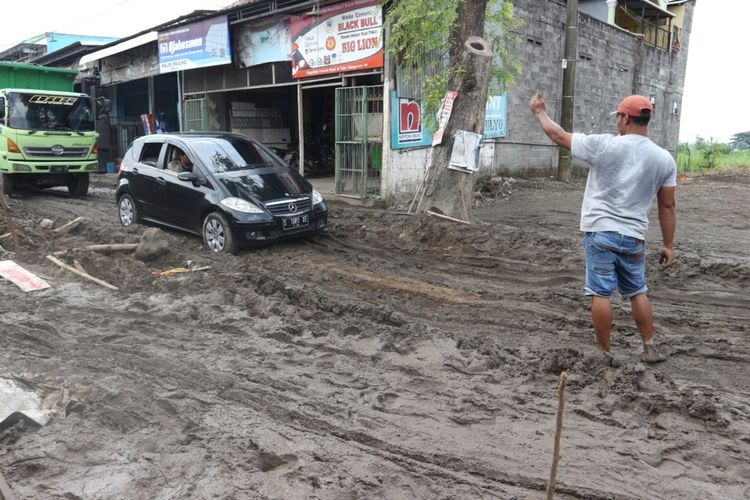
{"points": [[58, 170], [294, 222]]}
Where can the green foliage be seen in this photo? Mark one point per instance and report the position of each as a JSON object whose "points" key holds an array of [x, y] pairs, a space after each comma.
{"points": [[419, 38], [740, 140], [711, 150], [705, 155]]}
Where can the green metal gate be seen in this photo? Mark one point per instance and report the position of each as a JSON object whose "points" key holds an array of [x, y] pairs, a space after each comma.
{"points": [[196, 116], [359, 140]]}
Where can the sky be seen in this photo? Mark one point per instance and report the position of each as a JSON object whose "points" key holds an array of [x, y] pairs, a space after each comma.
{"points": [[116, 18], [715, 103]]}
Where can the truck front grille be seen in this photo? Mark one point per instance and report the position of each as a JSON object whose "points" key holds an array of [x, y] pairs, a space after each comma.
{"points": [[49, 153]]}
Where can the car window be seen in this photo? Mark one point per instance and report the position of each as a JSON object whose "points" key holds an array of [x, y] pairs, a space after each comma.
{"points": [[150, 153], [225, 155]]}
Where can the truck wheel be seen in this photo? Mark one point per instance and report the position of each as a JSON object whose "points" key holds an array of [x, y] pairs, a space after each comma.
{"points": [[78, 184], [217, 234], [7, 181], [127, 211]]}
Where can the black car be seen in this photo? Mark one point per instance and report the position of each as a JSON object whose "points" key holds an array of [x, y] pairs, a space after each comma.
{"points": [[226, 187]]}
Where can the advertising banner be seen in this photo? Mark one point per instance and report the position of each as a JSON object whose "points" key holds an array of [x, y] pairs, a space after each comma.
{"points": [[341, 37], [408, 130], [495, 116], [263, 43], [195, 45]]}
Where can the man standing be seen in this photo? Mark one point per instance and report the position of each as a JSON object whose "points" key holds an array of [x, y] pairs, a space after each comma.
{"points": [[627, 172]]}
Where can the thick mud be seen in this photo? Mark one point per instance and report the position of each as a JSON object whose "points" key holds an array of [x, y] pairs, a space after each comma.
{"points": [[392, 357]]}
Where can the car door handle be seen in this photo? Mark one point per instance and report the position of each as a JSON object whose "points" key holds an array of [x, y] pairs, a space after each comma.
{"points": [[135, 170], [161, 181]]}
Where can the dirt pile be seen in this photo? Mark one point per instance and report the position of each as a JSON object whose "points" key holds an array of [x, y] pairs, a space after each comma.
{"points": [[392, 357]]}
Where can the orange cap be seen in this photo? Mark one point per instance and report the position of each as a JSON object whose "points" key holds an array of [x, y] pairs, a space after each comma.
{"points": [[635, 105]]}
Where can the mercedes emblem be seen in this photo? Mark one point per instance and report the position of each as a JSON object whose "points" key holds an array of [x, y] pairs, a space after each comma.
{"points": [[292, 207]]}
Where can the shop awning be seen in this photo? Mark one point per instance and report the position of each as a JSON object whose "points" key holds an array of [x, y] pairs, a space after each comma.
{"points": [[120, 47]]}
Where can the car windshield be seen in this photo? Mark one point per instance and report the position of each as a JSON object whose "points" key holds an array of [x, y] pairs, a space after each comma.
{"points": [[282, 182], [234, 153], [40, 111]]}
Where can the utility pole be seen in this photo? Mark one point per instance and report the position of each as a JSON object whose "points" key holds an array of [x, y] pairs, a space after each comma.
{"points": [[569, 83]]}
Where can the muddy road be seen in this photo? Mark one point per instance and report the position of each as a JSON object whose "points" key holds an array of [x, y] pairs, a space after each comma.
{"points": [[392, 357]]}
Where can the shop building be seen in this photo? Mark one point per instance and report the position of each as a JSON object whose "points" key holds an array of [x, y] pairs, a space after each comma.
{"points": [[312, 80]]}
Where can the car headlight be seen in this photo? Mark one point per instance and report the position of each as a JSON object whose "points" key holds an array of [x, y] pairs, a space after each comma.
{"points": [[316, 197], [241, 205]]}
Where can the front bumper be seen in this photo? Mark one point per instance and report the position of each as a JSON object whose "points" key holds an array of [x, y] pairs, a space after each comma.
{"points": [[27, 167], [254, 233]]}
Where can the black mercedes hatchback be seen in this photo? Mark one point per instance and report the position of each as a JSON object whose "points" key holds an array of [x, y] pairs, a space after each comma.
{"points": [[227, 188]]}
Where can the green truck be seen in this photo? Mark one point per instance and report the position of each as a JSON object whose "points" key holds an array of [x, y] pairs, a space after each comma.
{"points": [[47, 131]]}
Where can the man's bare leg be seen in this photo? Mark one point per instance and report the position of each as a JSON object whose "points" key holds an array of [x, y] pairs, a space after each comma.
{"points": [[601, 316], [644, 320]]}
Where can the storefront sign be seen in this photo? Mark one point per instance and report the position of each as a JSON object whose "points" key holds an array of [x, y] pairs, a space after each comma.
{"points": [[263, 43], [408, 130], [495, 116], [338, 38], [406, 124], [195, 45]]}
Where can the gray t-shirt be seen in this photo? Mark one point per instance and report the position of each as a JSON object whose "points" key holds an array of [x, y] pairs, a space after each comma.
{"points": [[626, 173]]}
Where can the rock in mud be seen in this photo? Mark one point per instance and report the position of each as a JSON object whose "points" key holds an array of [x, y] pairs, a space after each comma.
{"points": [[153, 244]]}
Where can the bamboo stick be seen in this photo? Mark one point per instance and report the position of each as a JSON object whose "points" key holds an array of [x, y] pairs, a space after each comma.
{"points": [[558, 436], [70, 225], [112, 247], [447, 217], [79, 273]]}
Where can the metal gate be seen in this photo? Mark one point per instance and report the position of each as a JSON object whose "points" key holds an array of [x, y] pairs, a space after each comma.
{"points": [[359, 140], [196, 117]]}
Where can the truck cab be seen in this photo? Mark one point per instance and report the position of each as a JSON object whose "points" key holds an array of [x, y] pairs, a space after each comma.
{"points": [[47, 135]]}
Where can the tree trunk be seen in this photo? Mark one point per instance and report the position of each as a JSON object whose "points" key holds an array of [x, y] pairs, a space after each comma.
{"points": [[448, 191]]}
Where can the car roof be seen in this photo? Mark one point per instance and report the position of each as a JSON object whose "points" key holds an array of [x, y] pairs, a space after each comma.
{"points": [[191, 136]]}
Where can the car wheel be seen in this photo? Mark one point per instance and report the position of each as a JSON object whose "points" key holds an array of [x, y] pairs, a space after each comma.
{"points": [[78, 184], [7, 181], [217, 234], [127, 211]]}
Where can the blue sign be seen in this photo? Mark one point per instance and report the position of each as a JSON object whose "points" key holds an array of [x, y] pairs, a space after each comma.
{"points": [[408, 130], [195, 45], [263, 43], [496, 116]]}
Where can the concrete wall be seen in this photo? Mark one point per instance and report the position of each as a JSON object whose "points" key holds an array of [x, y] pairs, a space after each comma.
{"points": [[612, 63]]}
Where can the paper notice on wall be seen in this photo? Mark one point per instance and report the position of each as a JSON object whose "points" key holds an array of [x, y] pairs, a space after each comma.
{"points": [[465, 151], [25, 280], [444, 114]]}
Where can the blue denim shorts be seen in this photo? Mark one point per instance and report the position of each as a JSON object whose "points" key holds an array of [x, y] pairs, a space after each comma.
{"points": [[614, 261]]}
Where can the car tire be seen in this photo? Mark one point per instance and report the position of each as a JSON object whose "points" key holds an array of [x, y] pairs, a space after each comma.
{"points": [[127, 212], [7, 182], [78, 184], [217, 234]]}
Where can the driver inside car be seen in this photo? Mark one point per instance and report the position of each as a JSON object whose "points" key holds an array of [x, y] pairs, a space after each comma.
{"points": [[180, 162]]}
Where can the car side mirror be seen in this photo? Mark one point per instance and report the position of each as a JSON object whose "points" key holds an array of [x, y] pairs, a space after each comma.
{"points": [[190, 177]]}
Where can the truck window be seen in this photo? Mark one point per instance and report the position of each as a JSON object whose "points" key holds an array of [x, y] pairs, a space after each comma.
{"points": [[47, 111], [2, 109], [150, 153]]}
